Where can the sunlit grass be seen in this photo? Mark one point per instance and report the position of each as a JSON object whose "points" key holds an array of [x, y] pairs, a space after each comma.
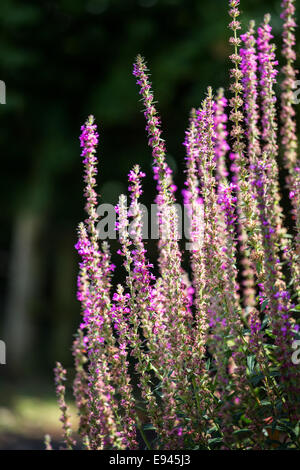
{"points": [[30, 415]]}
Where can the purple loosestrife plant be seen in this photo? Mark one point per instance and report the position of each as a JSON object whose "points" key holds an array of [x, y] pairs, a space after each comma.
{"points": [[202, 358], [250, 84], [288, 131], [289, 138], [268, 72], [246, 209], [221, 133], [60, 378]]}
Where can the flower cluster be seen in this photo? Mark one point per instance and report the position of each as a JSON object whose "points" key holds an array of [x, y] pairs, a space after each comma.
{"points": [[198, 357]]}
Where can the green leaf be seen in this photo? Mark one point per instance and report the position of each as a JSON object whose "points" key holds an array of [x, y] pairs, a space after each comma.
{"points": [[241, 431], [148, 427], [251, 363], [265, 403], [215, 440], [256, 378], [295, 309]]}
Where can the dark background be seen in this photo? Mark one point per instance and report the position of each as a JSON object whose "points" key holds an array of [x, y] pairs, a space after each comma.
{"points": [[61, 61]]}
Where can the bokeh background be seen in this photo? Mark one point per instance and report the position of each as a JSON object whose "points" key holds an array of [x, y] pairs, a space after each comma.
{"points": [[62, 60]]}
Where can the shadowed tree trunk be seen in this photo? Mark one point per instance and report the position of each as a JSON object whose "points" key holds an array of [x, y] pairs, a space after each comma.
{"points": [[21, 290]]}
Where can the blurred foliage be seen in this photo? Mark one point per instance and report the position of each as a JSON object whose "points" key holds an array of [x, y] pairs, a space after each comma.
{"points": [[62, 60]]}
